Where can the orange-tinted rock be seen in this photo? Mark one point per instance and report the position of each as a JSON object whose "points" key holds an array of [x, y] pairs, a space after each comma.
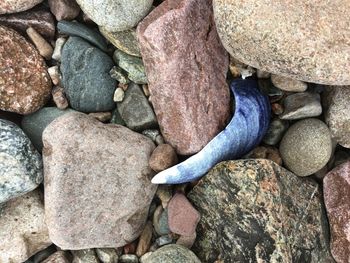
{"points": [[337, 199], [25, 84], [163, 157], [186, 66]]}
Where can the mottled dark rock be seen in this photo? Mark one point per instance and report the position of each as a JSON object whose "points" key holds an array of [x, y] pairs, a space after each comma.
{"points": [[20, 164], [336, 187], [34, 124], [256, 211], [97, 182], [64, 9], [86, 80], [80, 30], [135, 109], [186, 68], [15, 6], [85, 256], [41, 20], [172, 254], [275, 132], [337, 113], [25, 85], [295, 39]]}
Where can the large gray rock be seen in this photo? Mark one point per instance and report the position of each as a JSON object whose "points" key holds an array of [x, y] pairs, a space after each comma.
{"points": [[23, 231], [256, 211], [116, 15], [97, 182], [172, 254], [20, 163], [86, 80], [298, 39], [34, 124]]}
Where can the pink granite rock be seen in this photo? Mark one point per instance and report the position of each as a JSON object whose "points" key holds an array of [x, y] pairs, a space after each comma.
{"points": [[337, 199], [186, 66], [97, 182], [64, 9], [182, 216]]}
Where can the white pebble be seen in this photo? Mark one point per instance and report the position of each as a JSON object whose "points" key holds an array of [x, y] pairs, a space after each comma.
{"points": [[118, 95]]}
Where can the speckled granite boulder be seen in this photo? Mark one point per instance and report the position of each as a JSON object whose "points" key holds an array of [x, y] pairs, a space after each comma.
{"points": [[97, 182], [256, 211], [116, 15], [298, 39], [186, 68], [20, 163], [86, 80], [25, 85], [171, 254], [336, 187], [15, 6], [23, 231], [337, 113]]}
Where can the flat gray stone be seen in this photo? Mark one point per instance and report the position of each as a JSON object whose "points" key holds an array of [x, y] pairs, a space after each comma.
{"points": [[20, 164]]}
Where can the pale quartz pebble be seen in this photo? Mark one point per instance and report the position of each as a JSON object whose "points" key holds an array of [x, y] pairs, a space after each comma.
{"points": [[101, 116], [145, 90], [59, 98], [58, 48], [288, 84], [55, 75], [118, 95], [41, 44]]}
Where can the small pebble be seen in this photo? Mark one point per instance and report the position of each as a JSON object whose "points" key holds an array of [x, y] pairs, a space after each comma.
{"points": [[164, 193], [129, 248], [160, 221], [57, 52], [64, 9], [128, 259], [151, 133], [145, 239], [238, 68], [84, 256], [119, 74], [288, 84], [58, 257], [101, 116], [301, 105], [275, 132], [44, 48], [55, 75], [107, 255], [262, 152], [59, 98], [187, 241], [277, 108], [163, 157], [146, 90], [118, 95], [269, 89], [164, 240]]}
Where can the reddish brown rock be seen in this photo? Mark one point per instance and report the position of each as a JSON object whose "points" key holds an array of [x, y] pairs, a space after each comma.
{"points": [[182, 217], [15, 6], [186, 67], [337, 199], [25, 84], [163, 157], [41, 20], [97, 182], [64, 9]]}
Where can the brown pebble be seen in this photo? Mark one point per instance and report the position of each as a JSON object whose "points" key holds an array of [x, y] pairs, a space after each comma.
{"points": [[187, 241], [262, 152], [130, 248], [164, 193], [277, 108], [163, 157], [64, 9], [101, 116], [59, 98], [44, 48], [145, 240]]}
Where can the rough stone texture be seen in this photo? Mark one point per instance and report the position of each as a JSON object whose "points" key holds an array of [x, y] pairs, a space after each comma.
{"points": [[22, 228], [25, 84], [299, 39], [85, 256], [301, 105], [95, 202], [163, 157], [116, 15], [183, 218], [186, 69], [337, 113], [256, 211], [144, 240], [86, 80], [34, 124], [275, 132], [336, 187], [20, 164], [172, 254], [306, 147], [57, 257], [135, 109], [41, 20], [125, 41], [15, 6], [288, 84], [64, 9], [107, 255]]}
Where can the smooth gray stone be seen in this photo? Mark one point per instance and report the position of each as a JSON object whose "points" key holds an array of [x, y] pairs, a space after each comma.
{"points": [[86, 80], [135, 109], [21, 169], [34, 124], [128, 258], [80, 30], [172, 254], [275, 131]]}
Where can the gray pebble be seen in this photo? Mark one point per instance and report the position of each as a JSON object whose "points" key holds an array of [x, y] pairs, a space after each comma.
{"points": [[275, 132], [119, 74], [164, 240], [107, 255], [85, 256], [128, 258]]}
